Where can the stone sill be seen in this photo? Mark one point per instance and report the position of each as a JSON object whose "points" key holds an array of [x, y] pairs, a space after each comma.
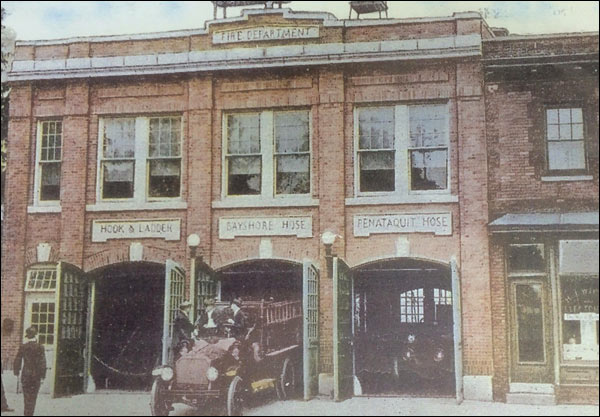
{"points": [[260, 202], [568, 178], [169, 205], [408, 199], [43, 209]]}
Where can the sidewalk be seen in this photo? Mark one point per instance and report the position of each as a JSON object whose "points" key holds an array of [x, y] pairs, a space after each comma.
{"points": [[115, 403]]}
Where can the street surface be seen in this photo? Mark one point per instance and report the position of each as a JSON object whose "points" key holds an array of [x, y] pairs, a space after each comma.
{"points": [[119, 403]]}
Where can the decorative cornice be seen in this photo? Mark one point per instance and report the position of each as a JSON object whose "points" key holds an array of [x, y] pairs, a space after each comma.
{"points": [[247, 58]]}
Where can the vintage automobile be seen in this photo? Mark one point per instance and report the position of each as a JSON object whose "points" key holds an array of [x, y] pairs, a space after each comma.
{"points": [[403, 339], [221, 371], [427, 351]]}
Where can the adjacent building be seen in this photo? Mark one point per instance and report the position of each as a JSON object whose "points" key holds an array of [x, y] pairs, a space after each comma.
{"points": [[401, 176]]}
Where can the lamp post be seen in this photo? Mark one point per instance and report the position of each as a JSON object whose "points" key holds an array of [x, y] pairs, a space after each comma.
{"points": [[328, 238], [193, 241]]}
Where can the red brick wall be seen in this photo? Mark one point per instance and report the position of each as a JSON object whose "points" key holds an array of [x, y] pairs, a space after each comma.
{"points": [[515, 115]]}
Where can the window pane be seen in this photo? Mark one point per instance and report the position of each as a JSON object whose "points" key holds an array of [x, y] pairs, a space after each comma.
{"points": [[579, 298], [50, 182], [564, 132], [291, 132], [552, 132], [429, 170], [523, 258], [377, 171], [165, 137], [578, 257], [118, 179], [293, 174], [566, 155], [577, 131], [119, 138], [576, 116], [244, 175], [164, 178], [243, 133], [376, 128], [552, 116], [428, 126], [564, 116], [530, 323]]}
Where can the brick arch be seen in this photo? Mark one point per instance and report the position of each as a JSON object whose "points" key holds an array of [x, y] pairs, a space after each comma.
{"points": [[120, 254]]}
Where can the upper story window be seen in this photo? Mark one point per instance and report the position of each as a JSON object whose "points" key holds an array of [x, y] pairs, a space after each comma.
{"points": [[49, 158], [402, 149], [565, 139], [140, 158], [267, 154]]}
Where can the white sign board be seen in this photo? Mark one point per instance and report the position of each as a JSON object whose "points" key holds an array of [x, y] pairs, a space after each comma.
{"points": [[168, 229], [230, 227], [436, 223], [265, 33]]}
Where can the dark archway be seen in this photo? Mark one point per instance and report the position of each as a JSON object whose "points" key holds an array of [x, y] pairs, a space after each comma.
{"points": [[403, 328], [127, 324], [262, 279]]}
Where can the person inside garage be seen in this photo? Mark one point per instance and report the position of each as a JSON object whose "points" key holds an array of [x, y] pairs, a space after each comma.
{"points": [[182, 330], [206, 325], [240, 321]]}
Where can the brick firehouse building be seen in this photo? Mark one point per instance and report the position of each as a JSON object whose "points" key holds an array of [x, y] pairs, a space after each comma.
{"points": [[391, 173]]}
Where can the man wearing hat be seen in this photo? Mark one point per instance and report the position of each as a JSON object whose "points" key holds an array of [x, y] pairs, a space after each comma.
{"points": [[206, 323], [239, 321], [33, 359], [182, 330]]}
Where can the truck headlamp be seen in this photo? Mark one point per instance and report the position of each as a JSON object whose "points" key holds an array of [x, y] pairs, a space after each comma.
{"points": [[166, 373], [212, 374]]}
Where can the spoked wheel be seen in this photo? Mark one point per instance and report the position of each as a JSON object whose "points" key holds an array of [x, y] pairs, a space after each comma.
{"points": [[158, 405], [286, 386], [235, 397]]}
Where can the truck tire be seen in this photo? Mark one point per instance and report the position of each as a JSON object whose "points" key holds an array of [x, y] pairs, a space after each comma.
{"points": [[235, 397], [158, 405]]}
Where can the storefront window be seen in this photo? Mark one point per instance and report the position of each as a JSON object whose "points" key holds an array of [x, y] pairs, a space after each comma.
{"points": [[578, 269]]}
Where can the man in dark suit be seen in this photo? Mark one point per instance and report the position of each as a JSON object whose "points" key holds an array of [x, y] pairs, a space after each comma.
{"points": [[239, 321], [33, 359], [182, 330]]}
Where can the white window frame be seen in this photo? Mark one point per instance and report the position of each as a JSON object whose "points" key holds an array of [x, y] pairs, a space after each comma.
{"points": [[401, 155], [268, 166], [568, 172], [37, 201], [141, 164]]}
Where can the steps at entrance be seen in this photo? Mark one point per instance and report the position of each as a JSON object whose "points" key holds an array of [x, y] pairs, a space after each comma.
{"points": [[533, 394]]}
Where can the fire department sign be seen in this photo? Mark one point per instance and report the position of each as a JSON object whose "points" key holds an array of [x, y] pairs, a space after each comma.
{"points": [[436, 223], [167, 229], [230, 227], [265, 33]]}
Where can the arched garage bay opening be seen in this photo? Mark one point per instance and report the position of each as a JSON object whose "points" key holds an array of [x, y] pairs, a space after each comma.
{"points": [[272, 293], [127, 325], [403, 328]]}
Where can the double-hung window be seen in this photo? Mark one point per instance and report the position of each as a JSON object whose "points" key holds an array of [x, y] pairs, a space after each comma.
{"points": [[140, 158], [267, 154], [565, 139], [402, 149], [49, 156]]}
